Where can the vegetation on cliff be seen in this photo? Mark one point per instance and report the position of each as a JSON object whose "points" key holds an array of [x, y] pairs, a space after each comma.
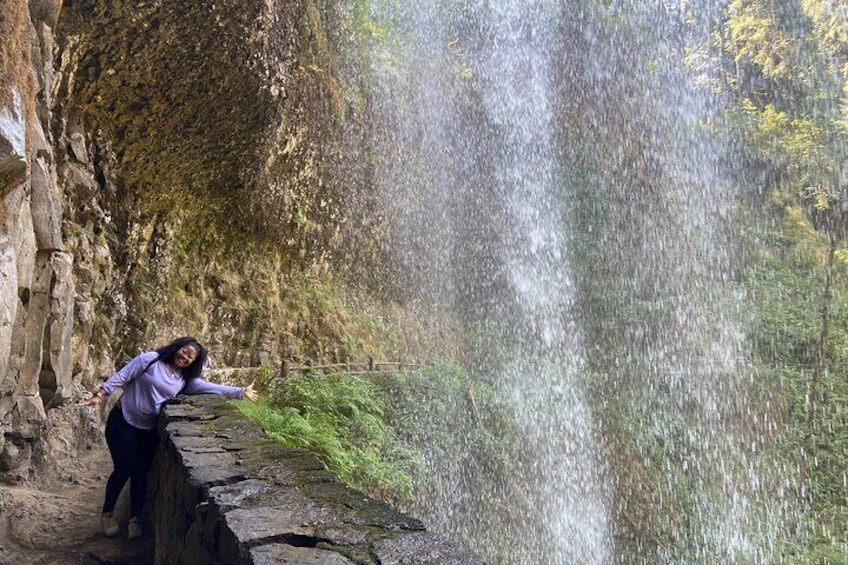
{"points": [[785, 74], [418, 438], [774, 74]]}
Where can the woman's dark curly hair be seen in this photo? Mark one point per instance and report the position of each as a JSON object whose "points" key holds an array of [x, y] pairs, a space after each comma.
{"points": [[167, 353]]}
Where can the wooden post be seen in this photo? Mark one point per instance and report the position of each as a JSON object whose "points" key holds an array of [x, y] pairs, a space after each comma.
{"points": [[472, 405]]}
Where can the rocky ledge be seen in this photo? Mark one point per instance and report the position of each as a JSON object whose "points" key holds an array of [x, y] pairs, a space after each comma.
{"points": [[226, 494]]}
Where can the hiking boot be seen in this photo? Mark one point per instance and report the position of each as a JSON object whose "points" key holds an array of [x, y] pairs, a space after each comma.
{"points": [[109, 524], [134, 529]]}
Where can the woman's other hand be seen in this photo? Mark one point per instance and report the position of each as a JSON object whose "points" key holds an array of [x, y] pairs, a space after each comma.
{"points": [[94, 400], [250, 393]]}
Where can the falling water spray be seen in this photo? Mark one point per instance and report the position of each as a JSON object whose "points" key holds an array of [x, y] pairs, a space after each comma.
{"points": [[546, 190]]}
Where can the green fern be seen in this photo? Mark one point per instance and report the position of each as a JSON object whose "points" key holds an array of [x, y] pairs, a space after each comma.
{"points": [[340, 419]]}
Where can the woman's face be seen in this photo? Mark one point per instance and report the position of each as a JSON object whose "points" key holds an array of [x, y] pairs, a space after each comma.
{"points": [[185, 356]]}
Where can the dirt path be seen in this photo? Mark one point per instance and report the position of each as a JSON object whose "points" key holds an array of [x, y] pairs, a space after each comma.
{"points": [[56, 520]]}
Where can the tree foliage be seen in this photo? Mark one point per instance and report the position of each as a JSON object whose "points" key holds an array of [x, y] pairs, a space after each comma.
{"points": [[785, 65], [783, 71]]}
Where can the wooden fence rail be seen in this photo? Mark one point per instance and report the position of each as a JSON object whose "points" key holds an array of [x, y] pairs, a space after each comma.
{"points": [[368, 367], [245, 375]]}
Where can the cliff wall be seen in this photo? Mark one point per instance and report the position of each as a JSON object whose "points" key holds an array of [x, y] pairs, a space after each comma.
{"points": [[165, 169]]}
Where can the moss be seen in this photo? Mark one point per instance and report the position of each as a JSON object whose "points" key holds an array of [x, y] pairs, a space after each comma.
{"points": [[189, 113]]}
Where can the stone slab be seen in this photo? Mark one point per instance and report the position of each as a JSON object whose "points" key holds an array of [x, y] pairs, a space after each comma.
{"points": [[422, 548], [273, 554]]}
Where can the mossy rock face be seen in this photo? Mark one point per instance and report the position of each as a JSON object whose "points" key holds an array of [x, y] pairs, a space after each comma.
{"points": [[170, 96], [212, 108], [214, 133]]}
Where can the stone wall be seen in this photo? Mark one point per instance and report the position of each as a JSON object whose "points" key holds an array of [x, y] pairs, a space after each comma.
{"points": [[225, 494]]}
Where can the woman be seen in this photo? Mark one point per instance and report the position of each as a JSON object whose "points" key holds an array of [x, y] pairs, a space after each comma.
{"points": [[148, 381]]}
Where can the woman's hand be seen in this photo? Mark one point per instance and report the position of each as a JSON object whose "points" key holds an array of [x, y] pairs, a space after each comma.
{"points": [[94, 400], [251, 394]]}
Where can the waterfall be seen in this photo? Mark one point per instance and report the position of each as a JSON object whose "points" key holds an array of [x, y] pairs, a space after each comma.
{"points": [[557, 204]]}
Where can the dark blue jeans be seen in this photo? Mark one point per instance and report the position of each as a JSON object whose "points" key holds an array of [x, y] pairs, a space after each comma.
{"points": [[132, 451]]}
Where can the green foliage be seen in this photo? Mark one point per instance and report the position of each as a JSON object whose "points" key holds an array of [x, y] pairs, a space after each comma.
{"points": [[366, 24], [789, 318], [785, 67], [439, 406], [340, 419], [787, 293], [781, 67]]}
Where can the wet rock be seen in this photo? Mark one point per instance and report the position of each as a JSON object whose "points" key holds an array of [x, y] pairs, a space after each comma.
{"points": [[421, 549], [12, 144], [15, 457], [281, 553]]}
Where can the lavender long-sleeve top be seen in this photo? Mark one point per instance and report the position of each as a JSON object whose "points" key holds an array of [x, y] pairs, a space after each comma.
{"points": [[146, 390]]}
